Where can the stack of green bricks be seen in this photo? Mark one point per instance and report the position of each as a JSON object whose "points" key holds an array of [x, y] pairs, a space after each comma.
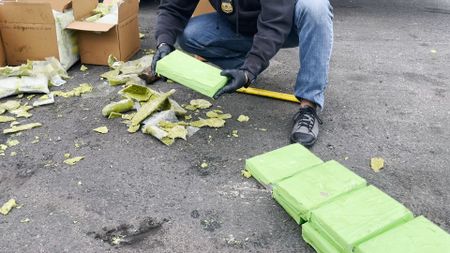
{"points": [[338, 211], [192, 73]]}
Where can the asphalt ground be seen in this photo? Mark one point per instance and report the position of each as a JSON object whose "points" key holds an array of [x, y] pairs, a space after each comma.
{"points": [[388, 97]]}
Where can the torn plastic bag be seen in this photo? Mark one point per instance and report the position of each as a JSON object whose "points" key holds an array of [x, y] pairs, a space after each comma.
{"points": [[67, 40], [152, 127], [25, 84], [22, 70], [51, 68], [131, 67]]}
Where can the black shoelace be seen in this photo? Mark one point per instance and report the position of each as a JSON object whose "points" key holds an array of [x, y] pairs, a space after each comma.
{"points": [[306, 117]]}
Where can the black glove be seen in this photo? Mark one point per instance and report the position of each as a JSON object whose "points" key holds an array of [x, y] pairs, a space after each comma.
{"points": [[237, 78], [161, 51]]}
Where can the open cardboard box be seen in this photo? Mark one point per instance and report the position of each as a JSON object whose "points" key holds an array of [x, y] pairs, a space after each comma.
{"points": [[97, 41], [29, 31]]}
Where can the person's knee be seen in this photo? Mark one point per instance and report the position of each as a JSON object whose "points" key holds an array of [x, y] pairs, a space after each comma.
{"points": [[318, 11], [197, 33], [188, 40]]}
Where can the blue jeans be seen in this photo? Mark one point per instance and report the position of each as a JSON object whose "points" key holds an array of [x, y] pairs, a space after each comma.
{"points": [[214, 38]]}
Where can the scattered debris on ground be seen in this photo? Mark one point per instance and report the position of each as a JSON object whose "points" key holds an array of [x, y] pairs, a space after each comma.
{"points": [[4, 119], [76, 92], [15, 129], [377, 164], [12, 142], [25, 220], [36, 140], [157, 114], [246, 174], [102, 130], [44, 100], [10, 105], [243, 118], [231, 241], [34, 77], [3, 148], [8, 206], [198, 104], [73, 160], [218, 114]]}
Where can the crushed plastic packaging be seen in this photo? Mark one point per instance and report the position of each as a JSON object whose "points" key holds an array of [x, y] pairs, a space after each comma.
{"points": [[32, 77]]}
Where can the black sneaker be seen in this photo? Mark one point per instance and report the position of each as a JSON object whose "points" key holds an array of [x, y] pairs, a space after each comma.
{"points": [[306, 127]]}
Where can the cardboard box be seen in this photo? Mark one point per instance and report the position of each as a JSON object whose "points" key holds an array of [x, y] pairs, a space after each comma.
{"points": [[203, 7], [2, 53], [97, 41], [30, 31]]}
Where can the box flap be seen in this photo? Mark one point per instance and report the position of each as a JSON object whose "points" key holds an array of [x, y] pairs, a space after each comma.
{"points": [[127, 9], [60, 5], [57, 5], [90, 26], [83, 8], [22, 12]]}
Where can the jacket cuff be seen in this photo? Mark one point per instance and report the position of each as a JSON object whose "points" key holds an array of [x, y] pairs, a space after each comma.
{"points": [[254, 65], [165, 38]]}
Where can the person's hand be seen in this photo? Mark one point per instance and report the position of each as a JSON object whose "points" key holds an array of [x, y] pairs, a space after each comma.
{"points": [[161, 51], [237, 78]]}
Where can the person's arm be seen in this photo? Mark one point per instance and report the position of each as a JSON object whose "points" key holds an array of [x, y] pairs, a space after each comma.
{"points": [[274, 25], [172, 18]]}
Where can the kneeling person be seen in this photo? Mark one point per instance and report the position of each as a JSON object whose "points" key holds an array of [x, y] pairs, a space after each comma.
{"points": [[242, 37]]}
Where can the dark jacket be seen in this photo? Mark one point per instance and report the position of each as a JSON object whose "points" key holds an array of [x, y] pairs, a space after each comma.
{"points": [[269, 21]]}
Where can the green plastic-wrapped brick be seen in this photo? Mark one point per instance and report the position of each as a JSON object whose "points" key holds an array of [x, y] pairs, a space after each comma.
{"points": [[312, 188], [316, 240], [281, 163], [192, 73], [354, 218], [417, 236]]}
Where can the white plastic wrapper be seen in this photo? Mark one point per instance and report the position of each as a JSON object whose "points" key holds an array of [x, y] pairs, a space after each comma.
{"points": [[67, 41], [40, 102], [112, 17], [136, 66], [151, 124], [26, 84], [108, 19], [51, 68]]}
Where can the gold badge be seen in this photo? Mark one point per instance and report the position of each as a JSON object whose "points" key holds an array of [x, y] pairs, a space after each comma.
{"points": [[227, 6]]}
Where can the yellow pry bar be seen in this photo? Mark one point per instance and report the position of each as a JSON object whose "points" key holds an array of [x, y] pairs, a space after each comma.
{"points": [[269, 94]]}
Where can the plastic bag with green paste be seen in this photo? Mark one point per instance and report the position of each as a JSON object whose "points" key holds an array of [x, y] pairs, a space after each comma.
{"points": [[309, 189], [192, 73], [281, 163], [354, 218]]}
